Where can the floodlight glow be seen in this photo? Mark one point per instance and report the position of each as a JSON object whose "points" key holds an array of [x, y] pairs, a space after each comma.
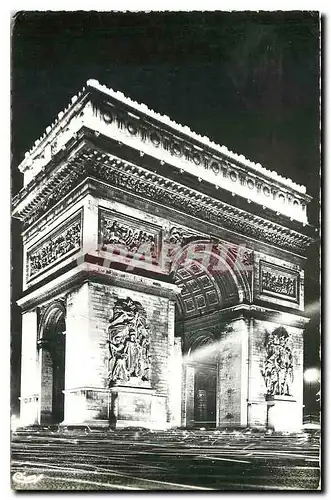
{"points": [[14, 423], [209, 351], [311, 375]]}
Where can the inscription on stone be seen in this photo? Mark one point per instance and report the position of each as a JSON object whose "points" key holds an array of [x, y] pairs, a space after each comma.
{"points": [[55, 247], [182, 149]]}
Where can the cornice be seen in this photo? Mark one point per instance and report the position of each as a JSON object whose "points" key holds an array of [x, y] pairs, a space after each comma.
{"points": [[145, 135], [166, 170], [165, 120], [44, 146], [89, 272], [243, 311], [47, 145], [152, 186], [50, 177]]}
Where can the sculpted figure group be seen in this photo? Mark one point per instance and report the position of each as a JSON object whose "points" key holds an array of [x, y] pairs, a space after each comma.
{"points": [[279, 283], [278, 365], [129, 341], [132, 240], [55, 248]]}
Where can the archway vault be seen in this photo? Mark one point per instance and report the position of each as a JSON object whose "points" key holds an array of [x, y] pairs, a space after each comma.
{"points": [[52, 320], [211, 277]]}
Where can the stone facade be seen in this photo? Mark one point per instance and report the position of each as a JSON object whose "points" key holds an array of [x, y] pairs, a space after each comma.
{"points": [[155, 293]]}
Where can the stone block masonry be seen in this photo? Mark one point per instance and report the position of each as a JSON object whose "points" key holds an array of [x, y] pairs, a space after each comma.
{"points": [[258, 398], [89, 311], [232, 385], [30, 385]]}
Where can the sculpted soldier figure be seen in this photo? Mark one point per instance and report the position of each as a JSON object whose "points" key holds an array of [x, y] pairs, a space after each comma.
{"points": [[278, 364], [128, 342]]}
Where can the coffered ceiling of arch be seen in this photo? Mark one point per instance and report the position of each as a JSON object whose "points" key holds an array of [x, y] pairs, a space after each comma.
{"points": [[200, 293]]}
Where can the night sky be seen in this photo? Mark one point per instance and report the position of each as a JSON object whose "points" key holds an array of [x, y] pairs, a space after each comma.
{"points": [[248, 81]]}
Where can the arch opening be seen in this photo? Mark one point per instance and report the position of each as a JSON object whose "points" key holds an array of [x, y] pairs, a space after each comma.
{"points": [[210, 280], [52, 364]]}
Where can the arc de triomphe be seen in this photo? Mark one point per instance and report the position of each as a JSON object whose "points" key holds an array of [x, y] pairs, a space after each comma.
{"points": [[163, 281]]}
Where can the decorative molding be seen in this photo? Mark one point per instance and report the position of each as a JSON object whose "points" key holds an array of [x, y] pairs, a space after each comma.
{"points": [[277, 368], [134, 236], [55, 247], [231, 173], [279, 281], [172, 194], [203, 140], [86, 271], [155, 188], [129, 341], [102, 93]]}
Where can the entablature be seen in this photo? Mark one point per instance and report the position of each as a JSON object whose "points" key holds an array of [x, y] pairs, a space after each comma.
{"points": [[134, 125], [117, 173]]}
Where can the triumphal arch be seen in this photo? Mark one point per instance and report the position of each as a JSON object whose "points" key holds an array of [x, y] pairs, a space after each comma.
{"points": [[163, 280]]}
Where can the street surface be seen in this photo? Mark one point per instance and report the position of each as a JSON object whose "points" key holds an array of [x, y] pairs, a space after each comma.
{"points": [[132, 460]]}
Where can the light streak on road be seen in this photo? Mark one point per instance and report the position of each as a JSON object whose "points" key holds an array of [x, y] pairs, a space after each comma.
{"points": [[168, 463], [94, 483], [224, 459], [118, 475]]}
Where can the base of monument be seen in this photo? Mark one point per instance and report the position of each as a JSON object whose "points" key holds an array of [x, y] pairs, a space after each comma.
{"points": [[283, 414], [123, 424], [137, 407], [89, 424]]}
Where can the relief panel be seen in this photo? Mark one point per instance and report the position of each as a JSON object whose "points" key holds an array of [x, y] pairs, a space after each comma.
{"points": [[129, 237], [279, 282], [277, 369], [55, 247]]}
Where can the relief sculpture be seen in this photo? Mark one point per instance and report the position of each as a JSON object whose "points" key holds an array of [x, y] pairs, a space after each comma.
{"points": [[129, 339], [55, 248], [277, 369], [175, 240], [132, 239], [278, 283]]}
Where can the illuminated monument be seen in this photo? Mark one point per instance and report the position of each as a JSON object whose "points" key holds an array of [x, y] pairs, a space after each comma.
{"points": [[163, 278]]}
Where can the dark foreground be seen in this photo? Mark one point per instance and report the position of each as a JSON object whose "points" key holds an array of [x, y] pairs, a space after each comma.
{"points": [[173, 460]]}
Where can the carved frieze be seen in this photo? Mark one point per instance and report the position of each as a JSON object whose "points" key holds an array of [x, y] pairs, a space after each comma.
{"points": [[277, 369], [153, 187], [56, 246], [198, 205], [54, 188], [278, 281], [134, 236], [129, 343]]}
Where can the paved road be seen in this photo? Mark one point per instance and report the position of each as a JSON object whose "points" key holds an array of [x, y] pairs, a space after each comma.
{"points": [[181, 460]]}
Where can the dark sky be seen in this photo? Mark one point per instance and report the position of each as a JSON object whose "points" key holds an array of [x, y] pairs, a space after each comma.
{"points": [[248, 81]]}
